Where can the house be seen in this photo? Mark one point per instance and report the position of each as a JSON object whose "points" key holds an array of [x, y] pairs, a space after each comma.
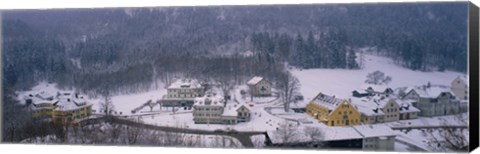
{"points": [[379, 109], [259, 86], [208, 109], [433, 100], [182, 92], [70, 109], [459, 87], [243, 113], [40, 105], [370, 112], [211, 109], [333, 111], [65, 108], [407, 110]]}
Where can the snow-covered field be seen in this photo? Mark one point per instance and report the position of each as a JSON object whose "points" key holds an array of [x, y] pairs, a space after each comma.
{"points": [[341, 82], [126, 103]]}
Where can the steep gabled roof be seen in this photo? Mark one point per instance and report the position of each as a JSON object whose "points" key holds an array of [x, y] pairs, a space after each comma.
{"points": [[255, 80], [329, 102]]}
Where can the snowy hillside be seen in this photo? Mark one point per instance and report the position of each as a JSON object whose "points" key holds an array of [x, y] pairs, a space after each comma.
{"points": [[341, 82]]}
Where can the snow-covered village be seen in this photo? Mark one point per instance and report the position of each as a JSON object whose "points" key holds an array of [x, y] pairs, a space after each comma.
{"points": [[406, 111], [249, 93]]}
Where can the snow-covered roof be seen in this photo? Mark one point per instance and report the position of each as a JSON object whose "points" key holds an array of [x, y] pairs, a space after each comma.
{"points": [[406, 106], [209, 99], [45, 95], [432, 91], [185, 84], [69, 101], [374, 130], [369, 111], [376, 88], [39, 98], [231, 110], [329, 102], [255, 80], [338, 133]]}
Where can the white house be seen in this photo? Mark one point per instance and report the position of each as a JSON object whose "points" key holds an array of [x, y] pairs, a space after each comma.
{"points": [[208, 109], [182, 92], [211, 109], [433, 100], [459, 87], [259, 86]]}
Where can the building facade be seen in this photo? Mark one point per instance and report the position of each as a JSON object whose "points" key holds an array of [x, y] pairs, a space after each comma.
{"points": [[182, 92], [376, 137], [259, 86], [459, 88], [211, 109], [433, 101], [380, 108], [208, 109], [333, 111], [407, 111], [65, 108], [70, 109]]}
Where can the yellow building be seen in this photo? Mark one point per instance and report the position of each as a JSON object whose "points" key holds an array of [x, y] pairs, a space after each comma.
{"points": [[70, 109], [65, 108], [40, 105], [333, 111]]}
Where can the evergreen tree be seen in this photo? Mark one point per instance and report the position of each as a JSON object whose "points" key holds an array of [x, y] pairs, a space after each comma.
{"points": [[351, 59]]}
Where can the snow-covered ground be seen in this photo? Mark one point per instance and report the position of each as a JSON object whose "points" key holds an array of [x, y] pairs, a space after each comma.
{"points": [[259, 121], [341, 82], [126, 103], [122, 103]]}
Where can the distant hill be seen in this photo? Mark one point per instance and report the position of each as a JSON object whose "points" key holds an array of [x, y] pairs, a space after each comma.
{"points": [[57, 43]]}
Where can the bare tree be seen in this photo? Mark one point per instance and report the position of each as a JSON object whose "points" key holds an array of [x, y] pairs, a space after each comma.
{"points": [[449, 137], [287, 133], [314, 134], [226, 84], [378, 78], [107, 105], [288, 87]]}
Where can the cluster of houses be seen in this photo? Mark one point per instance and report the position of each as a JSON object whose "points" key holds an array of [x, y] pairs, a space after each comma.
{"points": [[374, 105], [64, 108], [210, 107], [379, 104]]}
